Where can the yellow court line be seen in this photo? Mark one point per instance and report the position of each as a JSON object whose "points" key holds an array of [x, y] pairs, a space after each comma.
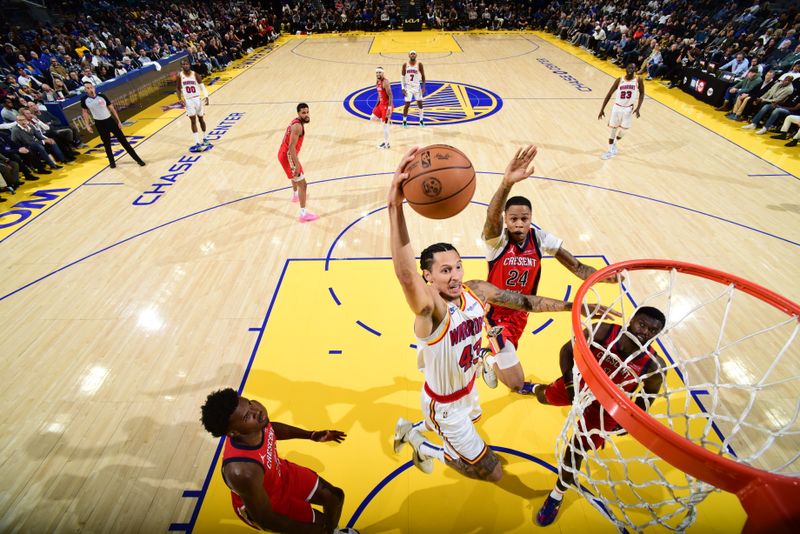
{"points": [[770, 150]]}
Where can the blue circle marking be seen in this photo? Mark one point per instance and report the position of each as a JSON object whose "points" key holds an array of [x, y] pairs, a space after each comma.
{"points": [[445, 103]]}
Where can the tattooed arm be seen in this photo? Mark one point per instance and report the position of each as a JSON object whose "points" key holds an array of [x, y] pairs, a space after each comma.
{"points": [[516, 301], [517, 170], [576, 267], [490, 293]]}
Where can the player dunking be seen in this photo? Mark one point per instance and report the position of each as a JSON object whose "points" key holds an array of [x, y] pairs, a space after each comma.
{"points": [[514, 252], [268, 492], [413, 82], [194, 95], [641, 362], [448, 326], [288, 156], [384, 108], [626, 89]]}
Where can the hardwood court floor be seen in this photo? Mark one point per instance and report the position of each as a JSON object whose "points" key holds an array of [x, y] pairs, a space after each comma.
{"points": [[117, 319]]}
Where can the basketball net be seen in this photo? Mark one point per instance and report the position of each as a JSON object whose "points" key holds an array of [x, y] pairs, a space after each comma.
{"points": [[728, 413]]}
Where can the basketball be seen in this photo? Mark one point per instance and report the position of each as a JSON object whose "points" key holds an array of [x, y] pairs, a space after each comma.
{"points": [[441, 182]]}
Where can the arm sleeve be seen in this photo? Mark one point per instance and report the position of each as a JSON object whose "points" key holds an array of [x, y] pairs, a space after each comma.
{"points": [[547, 241], [203, 90], [108, 102], [83, 102], [494, 246]]}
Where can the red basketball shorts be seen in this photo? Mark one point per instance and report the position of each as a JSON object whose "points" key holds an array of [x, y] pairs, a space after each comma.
{"points": [[556, 395], [283, 158], [381, 111], [300, 484]]}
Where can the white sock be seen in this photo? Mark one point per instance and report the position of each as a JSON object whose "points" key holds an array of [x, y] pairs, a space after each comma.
{"points": [[421, 114], [302, 211], [386, 132], [557, 494], [425, 447], [431, 451], [295, 194], [197, 138]]}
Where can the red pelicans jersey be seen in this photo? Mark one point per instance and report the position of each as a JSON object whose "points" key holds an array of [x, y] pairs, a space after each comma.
{"points": [[285, 143], [517, 268]]}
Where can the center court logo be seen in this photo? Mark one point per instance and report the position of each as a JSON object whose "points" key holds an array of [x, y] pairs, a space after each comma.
{"points": [[445, 103]]}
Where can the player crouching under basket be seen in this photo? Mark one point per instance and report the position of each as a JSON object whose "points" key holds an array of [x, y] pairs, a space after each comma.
{"points": [[627, 358]]}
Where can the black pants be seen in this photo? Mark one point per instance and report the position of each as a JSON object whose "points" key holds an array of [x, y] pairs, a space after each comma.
{"points": [[109, 126]]}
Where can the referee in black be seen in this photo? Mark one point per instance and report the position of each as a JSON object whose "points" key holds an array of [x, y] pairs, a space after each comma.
{"points": [[102, 110]]}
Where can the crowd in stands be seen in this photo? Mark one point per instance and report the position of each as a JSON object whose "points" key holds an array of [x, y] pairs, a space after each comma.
{"points": [[104, 40], [758, 44], [759, 47]]}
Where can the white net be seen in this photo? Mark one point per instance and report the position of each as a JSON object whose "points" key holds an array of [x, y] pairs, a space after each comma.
{"points": [[732, 385]]}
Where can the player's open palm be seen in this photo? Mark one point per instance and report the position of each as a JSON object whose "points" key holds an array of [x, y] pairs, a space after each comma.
{"points": [[322, 436], [521, 166]]}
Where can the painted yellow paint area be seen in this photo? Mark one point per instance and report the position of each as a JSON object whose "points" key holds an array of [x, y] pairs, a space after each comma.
{"points": [[374, 380], [398, 42]]}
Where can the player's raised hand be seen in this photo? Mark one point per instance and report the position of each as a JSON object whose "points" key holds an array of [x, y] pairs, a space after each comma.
{"points": [[521, 165], [601, 114], [322, 436], [400, 175]]}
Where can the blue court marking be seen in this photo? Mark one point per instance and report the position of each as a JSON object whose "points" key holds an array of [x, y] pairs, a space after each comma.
{"points": [[334, 351], [786, 173], [192, 493], [335, 298], [545, 325], [779, 174], [125, 153], [254, 329], [204, 490], [536, 46], [180, 527], [285, 188], [361, 102], [104, 183], [394, 474], [569, 288], [368, 329]]}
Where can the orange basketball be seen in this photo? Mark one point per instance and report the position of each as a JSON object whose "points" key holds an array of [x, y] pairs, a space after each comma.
{"points": [[441, 181]]}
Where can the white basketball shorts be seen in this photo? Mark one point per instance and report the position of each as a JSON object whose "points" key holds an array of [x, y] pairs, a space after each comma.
{"points": [[194, 106], [413, 94], [620, 117], [453, 421]]}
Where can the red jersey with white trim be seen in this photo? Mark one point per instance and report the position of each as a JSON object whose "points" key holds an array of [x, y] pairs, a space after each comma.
{"points": [[448, 356], [383, 98], [265, 454], [622, 375], [518, 269], [285, 143]]}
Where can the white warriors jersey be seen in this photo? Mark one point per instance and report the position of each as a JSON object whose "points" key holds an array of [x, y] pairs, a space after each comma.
{"points": [[189, 86], [627, 92], [448, 356], [412, 76]]}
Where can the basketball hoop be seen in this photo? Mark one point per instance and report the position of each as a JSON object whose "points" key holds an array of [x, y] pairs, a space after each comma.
{"points": [[729, 440]]}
